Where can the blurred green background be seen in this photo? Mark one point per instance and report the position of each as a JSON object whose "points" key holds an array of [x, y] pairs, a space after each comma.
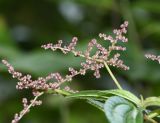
{"points": [[27, 24]]}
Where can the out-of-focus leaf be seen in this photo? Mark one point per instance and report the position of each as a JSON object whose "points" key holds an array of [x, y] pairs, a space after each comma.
{"points": [[5, 36], [8, 48], [152, 28], [133, 56], [97, 3], [6, 90], [39, 63], [119, 110], [7, 52], [85, 113], [151, 6]]}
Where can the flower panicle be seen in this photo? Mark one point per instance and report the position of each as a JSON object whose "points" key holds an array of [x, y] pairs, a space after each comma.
{"points": [[153, 57], [42, 83], [38, 86], [93, 60], [26, 107], [102, 54]]}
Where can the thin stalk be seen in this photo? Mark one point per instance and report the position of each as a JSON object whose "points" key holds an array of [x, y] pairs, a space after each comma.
{"points": [[112, 76], [62, 92], [58, 91]]}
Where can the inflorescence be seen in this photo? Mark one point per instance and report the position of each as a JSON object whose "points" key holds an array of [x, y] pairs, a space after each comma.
{"points": [[95, 62], [153, 57]]}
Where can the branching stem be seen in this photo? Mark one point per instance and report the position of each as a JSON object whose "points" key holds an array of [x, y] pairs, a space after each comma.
{"points": [[29, 106]]}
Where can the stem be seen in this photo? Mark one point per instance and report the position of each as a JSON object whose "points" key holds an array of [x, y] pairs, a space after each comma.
{"points": [[113, 77], [62, 92]]}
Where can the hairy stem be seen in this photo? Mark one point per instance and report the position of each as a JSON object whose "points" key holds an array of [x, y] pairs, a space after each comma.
{"points": [[112, 76]]}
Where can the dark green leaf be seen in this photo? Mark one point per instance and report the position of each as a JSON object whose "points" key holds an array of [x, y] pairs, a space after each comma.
{"points": [[119, 110], [96, 103]]}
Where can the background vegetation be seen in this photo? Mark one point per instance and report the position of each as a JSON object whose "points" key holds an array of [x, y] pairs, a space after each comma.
{"points": [[27, 24]]}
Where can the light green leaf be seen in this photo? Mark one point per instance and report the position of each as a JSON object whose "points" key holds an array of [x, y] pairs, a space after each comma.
{"points": [[151, 101], [122, 93], [103, 95], [89, 94], [119, 110]]}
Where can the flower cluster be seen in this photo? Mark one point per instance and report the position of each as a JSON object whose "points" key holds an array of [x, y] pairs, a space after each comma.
{"points": [[93, 61], [26, 107], [102, 54], [42, 84], [153, 57]]}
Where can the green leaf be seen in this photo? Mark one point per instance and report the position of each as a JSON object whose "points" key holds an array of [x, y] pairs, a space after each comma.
{"points": [[103, 95], [149, 6], [89, 94], [119, 110], [97, 3], [151, 101], [122, 93]]}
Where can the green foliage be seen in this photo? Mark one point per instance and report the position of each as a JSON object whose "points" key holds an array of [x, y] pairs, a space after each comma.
{"points": [[126, 106]]}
